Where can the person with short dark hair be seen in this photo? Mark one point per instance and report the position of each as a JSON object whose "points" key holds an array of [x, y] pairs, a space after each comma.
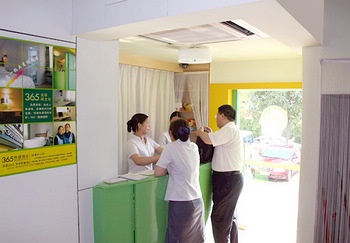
{"points": [[164, 138], [227, 179], [141, 149], [180, 159]]}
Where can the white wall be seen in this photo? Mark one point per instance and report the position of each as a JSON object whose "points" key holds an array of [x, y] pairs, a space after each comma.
{"points": [[39, 206], [301, 10], [40, 17], [336, 45], [97, 109]]}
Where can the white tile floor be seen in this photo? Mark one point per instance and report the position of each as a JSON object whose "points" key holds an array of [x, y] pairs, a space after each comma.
{"points": [[208, 233], [267, 212]]}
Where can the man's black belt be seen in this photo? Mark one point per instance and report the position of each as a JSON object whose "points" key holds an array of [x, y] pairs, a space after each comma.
{"points": [[226, 173]]}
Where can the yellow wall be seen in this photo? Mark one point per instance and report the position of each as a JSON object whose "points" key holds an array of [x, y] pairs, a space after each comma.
{"points": [[221, 94]]}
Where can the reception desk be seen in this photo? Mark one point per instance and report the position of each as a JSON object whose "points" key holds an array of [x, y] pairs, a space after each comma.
{"points": [[135, 211]]}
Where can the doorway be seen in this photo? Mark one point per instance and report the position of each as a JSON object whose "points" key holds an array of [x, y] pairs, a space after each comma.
{"points": [[270, 121], [268, 207]]}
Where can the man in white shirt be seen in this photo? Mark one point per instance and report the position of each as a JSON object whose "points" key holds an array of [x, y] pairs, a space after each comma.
{"points": [[227, 179]]}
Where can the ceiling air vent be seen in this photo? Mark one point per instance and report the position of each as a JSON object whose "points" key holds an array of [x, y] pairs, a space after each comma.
{"points": [[238, 28], [206, 34]]}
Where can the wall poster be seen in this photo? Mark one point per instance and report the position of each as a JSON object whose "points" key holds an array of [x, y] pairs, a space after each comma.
{"points": [[37, 106]]}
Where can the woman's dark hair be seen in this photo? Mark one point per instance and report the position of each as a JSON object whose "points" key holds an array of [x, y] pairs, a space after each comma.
{"points": [[135, 120], [58, 128], [228, 111], [180, 130], [176, 114]]}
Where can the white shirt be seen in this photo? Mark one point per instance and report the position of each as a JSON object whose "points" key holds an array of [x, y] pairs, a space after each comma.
{"points": [[228, 148], [164, 139], [181, 159], [137, 146]]}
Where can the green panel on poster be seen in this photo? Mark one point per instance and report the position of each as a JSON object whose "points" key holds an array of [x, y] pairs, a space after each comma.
{"points": [[37, 105], [59, 80]]}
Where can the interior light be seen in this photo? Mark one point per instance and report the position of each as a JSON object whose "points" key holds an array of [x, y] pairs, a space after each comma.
{"points": [[56, 53]]}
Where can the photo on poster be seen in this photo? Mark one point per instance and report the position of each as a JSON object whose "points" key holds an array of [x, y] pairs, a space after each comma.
{"points": [[12, 77], [64, 74], [11, 105], [66, 113], [25, 64], [11, 137], [64, 98], [37, 135], [65, 133], [11, 72]]}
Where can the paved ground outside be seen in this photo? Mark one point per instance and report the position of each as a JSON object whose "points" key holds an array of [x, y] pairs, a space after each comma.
{"points": [[267, 211]]}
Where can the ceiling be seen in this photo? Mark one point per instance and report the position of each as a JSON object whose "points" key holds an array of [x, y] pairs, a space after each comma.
{"points": [[279, 35], [237, 50]]}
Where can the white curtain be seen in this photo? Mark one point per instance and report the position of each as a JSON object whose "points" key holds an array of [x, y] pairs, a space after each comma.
{"points": [[179, 87], [333, 215], [143, 90], [197, 85]]}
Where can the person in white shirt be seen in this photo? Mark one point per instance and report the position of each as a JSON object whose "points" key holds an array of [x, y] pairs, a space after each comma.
{"points": [[227, 179], [180, 159], [142, 151], [164, 138]]}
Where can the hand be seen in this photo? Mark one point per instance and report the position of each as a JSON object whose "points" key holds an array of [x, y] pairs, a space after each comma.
{"points": [[199, 130], [157, 158], [208, 129]]}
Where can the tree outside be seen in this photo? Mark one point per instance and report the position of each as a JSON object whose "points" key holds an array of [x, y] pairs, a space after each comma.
{"points": [[253, 103]]}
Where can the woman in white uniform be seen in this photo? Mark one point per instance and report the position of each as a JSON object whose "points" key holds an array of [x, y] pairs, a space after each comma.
{"points": [[164, 138], [141, 149], [180, 159]]}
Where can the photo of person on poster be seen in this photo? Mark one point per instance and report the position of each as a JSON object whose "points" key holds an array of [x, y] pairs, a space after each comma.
{"points": [[65, 133], [68, 136], [59, 136]]}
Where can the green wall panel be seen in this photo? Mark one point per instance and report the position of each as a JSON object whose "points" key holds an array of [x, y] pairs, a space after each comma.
{"points": [[206, 188], [151, 211], [113, 213]]}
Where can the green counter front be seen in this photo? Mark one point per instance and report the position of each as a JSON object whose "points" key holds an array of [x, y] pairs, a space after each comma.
{"points": [[205, 183], [135, 211]]}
